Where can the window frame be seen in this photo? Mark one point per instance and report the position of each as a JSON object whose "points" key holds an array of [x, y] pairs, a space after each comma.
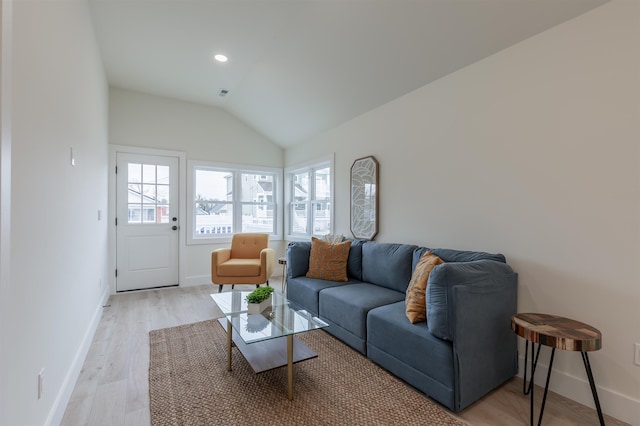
{"points": [[312, 202], [237, 171]]}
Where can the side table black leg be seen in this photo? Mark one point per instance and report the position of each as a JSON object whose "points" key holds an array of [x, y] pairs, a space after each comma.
{"points": [[533, 370], [587, 366], [546, 386], [534, 362], [525, 390]]}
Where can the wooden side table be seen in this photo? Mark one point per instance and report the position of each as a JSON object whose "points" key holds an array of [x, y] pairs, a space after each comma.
{"points": [[283, 261], [557, 333]]}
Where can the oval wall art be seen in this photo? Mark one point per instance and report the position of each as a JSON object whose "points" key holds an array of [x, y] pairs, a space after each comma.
{"points": [[364, 198]]}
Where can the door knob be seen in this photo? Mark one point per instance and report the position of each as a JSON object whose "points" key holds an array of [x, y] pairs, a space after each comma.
{"points": [[174, 227]]}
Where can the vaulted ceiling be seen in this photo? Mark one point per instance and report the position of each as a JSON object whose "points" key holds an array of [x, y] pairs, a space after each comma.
{"points": [[299, 67]]}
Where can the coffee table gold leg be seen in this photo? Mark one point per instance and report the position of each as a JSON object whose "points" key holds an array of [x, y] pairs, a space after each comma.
{"points": [[290, 366], [229, 344]]}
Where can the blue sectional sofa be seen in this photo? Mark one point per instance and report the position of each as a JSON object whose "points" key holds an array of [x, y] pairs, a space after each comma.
{"points": [[461, 352]]}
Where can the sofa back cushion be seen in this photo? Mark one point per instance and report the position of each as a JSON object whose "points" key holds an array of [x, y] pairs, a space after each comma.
{"points": [[298, 253], [354, 263], [387, 265]]}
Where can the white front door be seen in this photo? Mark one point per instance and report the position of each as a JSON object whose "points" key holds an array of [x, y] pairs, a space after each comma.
{"points": [[146, 221]]}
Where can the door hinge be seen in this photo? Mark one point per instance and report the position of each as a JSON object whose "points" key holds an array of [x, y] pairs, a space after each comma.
{"points": [[116, 221], [116, 169], [116, 273]]}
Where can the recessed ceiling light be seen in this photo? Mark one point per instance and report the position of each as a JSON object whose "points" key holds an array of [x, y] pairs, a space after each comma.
{"points": [[220, 58]]}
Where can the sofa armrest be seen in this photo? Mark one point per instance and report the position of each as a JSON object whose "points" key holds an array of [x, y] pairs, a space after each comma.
{"points": [[443, 279], [298, 253], [472, 305], [485, 347]]}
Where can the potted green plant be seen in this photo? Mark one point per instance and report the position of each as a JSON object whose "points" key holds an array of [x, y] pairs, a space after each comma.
{"points": [[259, 299]]}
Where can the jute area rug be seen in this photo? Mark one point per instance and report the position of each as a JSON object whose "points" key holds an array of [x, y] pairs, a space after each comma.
{"points": [[189, 385]]}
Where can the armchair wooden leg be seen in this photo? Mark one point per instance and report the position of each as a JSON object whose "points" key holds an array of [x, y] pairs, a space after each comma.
{"points": [[257, 285], [220, 288]]}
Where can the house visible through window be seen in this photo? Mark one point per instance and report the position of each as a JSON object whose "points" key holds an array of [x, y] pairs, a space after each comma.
{"points": [[309, 200], [148, 193], [226, 200], [213, 202]]}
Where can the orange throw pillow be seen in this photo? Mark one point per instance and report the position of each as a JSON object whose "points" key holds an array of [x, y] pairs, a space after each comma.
{"points": [[328, 261], [416, 298]]}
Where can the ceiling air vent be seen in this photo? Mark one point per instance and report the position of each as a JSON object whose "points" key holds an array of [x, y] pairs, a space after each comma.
{"points": [[222, 93]]}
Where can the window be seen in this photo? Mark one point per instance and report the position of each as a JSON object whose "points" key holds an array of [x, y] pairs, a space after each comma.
{"points": [[148, 193], [309, 200], [229, 199], [213, 202]]}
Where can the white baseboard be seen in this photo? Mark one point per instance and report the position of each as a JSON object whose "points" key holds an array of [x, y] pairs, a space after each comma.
{"points": [[69, 382], [614, 404], [195, 280]]}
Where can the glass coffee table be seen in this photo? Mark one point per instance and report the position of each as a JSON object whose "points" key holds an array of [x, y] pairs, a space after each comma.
{"points": [[267, 340]]}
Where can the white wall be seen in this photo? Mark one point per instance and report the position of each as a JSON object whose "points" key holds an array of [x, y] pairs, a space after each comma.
{"points": [[6, 31], [58, 246], [532, 152], [202, 132]]}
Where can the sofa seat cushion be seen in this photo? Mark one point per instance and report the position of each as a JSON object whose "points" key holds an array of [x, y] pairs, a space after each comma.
{"points": [[348, 305], [389, 331], [240, 268], [304, 291]]}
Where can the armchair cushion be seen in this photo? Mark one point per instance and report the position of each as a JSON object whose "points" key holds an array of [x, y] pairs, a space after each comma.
{"points": [[240, 268]]}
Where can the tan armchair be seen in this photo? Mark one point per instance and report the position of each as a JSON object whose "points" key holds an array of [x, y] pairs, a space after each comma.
{"points": [[248, 261]]}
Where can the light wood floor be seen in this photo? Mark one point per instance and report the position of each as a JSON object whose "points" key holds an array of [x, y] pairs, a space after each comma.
{"points": [[113, 387]]}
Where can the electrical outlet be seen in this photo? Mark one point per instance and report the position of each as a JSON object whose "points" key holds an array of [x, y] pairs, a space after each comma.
{"points": [[637, 352], [40, 383]]}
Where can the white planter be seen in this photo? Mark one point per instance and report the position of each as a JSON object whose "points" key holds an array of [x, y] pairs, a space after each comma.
{"points": [[257, 308]]}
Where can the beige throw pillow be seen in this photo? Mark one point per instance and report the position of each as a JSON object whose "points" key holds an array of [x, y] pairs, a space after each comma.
{"points": [[328, 261], [416, 298]]}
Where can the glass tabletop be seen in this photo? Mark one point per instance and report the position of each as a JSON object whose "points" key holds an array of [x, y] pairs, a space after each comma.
{"points": [[282, 318]]}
